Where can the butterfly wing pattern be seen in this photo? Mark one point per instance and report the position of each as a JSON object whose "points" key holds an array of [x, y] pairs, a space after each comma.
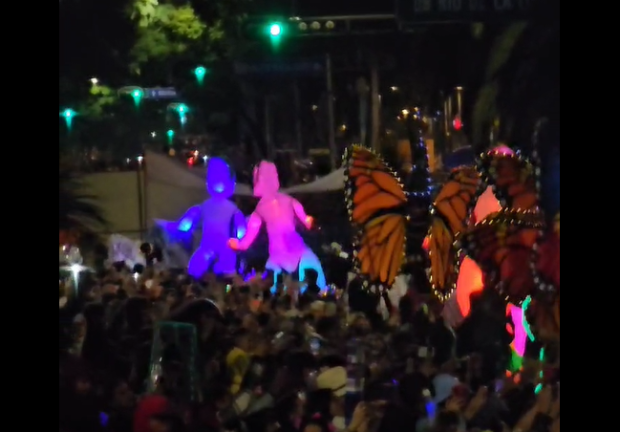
{"points": [[514, 179], [450, 215], [377, 207], [502, 244]]}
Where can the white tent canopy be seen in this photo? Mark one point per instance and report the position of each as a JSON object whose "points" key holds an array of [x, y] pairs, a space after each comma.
{"points": [[329, 183], [165, 170], [171, 187]]}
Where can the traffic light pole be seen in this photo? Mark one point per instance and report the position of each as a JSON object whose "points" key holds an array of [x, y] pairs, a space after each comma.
{"points": [[331, 124], [375, 104]]}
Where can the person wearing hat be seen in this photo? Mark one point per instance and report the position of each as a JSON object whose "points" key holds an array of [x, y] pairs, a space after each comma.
{"points": [[335, 381]]}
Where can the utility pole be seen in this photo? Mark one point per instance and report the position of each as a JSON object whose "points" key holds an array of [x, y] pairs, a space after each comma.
{"points": [[375, 104], [361, 86], [298, 134], [331, 126], [268, 138]]}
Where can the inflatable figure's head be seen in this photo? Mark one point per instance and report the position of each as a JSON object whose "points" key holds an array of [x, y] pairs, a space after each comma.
{"points": [[266, 181], [220, 178]]}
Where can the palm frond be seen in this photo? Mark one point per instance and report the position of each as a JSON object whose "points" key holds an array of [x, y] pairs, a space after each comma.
{"points": [[77, 211], [485, 107]]}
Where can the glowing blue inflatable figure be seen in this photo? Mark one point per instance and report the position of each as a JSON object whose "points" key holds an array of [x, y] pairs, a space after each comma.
{"points": [[220, 219]]}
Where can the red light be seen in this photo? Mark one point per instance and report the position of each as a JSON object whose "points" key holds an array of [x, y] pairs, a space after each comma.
{"points": [[457, 123], [190, 161]]}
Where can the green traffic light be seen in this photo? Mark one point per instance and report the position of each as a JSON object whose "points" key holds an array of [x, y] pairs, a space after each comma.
{"points": [[170, 135], [68, 115], [200, 73], [137, 95], [275, 30]]}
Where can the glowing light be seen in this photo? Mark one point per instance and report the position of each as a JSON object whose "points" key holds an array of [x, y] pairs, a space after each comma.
{"points": [[94, 81], [457, 123], [219, 217], [68, 114], [137, 95], [502, 150], [470, 281], [520, 335], [275, 30], [287, 250], [186, 224], [526, 325], [200, 73], [486, 205]]}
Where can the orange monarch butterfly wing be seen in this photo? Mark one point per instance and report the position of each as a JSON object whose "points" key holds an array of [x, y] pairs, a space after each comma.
{"points": [[449, 217], [514, 179], [376, 203], [545, 264], [501, 245]]}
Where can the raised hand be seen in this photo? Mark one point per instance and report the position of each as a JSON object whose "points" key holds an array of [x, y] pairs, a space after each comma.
{"points": [[233, 243]]}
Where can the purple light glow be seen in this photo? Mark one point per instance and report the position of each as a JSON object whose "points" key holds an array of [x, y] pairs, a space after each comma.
{"points": [[220, 219]]}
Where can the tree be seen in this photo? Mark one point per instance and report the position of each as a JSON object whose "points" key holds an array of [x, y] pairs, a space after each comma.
{"points": [[168, 33], [523, 76], [77, 212], [486, 107]]}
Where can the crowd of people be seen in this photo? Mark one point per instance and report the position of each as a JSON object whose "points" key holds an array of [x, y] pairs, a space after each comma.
{"points": [[160, 352]]}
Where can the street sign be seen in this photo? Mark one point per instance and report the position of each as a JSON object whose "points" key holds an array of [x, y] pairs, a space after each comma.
{"points": [[279, 68], [433, 11], [160, 93]]}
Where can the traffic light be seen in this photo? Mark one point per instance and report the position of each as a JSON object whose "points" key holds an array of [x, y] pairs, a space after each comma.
{"points": [[200, 73], [68, 115], [275, 30], [457, 123], [170, 135], [137, 95], [182, 110]]}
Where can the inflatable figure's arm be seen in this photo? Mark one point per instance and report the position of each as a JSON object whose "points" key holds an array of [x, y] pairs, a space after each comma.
{"points": [[301, 214], [178, 230], [240, 226], [190, 219], [252, 231]]}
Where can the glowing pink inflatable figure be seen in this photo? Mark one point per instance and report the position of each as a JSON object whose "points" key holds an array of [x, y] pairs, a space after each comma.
{"points": [[287, 250]]}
